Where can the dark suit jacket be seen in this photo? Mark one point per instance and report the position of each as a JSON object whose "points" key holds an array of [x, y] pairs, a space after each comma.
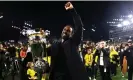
{"points": [[12, 51], [66, 63], [106, 58], [129, 55]]}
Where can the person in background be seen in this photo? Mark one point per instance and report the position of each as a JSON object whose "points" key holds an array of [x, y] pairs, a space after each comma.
{"points": [[103, 61], [2, 59], [31, 73], [12, 50], [121, 51], [129, 56], [114, 60], [124, 61], [94, 64], [88, 62], [23, 52]]}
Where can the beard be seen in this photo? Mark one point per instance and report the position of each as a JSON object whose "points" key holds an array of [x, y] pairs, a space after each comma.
{"points": [[65, 36]]}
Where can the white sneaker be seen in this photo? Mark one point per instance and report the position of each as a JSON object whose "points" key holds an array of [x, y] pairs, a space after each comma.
{"points": [[94, 79], [90, 78]]}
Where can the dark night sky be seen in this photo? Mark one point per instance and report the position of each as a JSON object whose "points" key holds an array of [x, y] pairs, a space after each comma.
{"points": [[52, 16]]}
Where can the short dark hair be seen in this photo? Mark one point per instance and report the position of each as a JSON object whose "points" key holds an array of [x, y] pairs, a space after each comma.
{"points": [[126, 45], [88, 48]]}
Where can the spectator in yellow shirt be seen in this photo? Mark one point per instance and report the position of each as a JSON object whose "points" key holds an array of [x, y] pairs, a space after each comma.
{"points": [[88, 62], [114, 60], [31, 72]]}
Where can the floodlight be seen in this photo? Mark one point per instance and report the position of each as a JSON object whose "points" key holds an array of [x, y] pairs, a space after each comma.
{"points": [[120, 19], [126, 23], [130, 16], [119, 25], [29, 32], [132, 20]]}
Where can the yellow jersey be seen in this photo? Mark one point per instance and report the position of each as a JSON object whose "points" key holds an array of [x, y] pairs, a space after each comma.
{"points": [[31, 72], [88, 59], [112, 53]]}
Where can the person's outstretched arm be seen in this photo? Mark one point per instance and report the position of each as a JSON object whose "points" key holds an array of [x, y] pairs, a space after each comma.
{"points": [[76, 38]]}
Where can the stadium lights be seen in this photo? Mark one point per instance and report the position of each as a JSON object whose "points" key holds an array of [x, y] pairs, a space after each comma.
{"points": [[120, 19], [119, 25], [125, 23], [29, 32], [132, 20], [130, 16]]}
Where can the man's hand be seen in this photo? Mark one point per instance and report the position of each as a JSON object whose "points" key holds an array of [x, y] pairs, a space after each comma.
{"points": [[68, 6]]}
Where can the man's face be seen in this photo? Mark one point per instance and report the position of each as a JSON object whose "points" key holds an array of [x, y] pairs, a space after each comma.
{"points": [[102, 44], [67, 32]]}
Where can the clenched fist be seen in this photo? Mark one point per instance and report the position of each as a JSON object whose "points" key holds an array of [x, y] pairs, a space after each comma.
{"points": [[68, 6]]}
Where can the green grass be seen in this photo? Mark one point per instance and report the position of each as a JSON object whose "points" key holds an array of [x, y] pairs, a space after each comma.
{"points": [[117, 77]]}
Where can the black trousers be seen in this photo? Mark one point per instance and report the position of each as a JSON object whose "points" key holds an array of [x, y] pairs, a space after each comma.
{"points": [[130, 72], [105, 75], [23, 71], [113, 69], [60, 76], [2, 59], [89, 71], [94, 71], [1, 64]]}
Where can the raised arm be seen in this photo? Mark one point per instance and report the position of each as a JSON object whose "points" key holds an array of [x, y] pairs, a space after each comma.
{"points": [[76, 38]]}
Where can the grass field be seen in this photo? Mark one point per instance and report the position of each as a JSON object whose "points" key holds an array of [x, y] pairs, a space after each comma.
{"points": [[117, 77]]}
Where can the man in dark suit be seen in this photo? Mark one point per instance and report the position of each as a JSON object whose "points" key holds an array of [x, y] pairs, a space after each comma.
{"points": [[66, 63], [103, 61], [129, 56]]}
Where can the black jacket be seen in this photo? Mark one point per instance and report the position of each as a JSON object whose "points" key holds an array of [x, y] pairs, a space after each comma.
{"points": [[129, 55], [66, 63], [12, 51], [106, 58]]}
